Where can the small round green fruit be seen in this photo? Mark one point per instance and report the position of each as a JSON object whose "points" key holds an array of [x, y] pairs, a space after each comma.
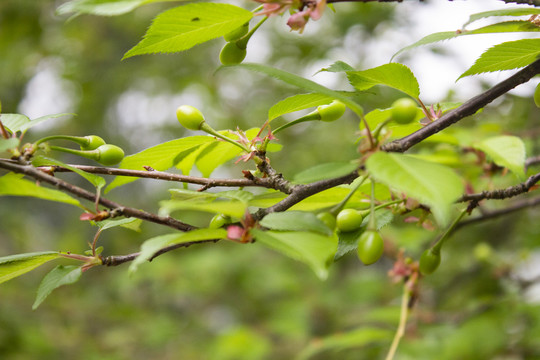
{"points": [[231, 54], [190, 117], [332, 111], [404, 110], [370, 247], [429, 262], [349, 220], [109, 154], [91, 142]]}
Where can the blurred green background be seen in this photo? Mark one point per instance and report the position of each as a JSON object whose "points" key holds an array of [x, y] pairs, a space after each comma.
{"points": [[229, 301]]}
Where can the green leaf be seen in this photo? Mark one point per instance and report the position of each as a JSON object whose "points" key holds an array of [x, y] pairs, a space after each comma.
{"points": [[14, 185], [103, 7], [160, 157], [338, 66], [19, 122], [128, 223], [506, 56], [215, 155], [183, 27], [6, 144], [14, 122], [150, 247], [506, 151], [220, 152], [348, 242], [503, 27], [60, 275], [94, 179], [302, 83], [502, 12], [352, 339], [315, 250], [430, 183], [189, 157], [17, 265], [396, 76], [298, 102], [231, 208], [325, 171], [295, 221], [41, 119]]}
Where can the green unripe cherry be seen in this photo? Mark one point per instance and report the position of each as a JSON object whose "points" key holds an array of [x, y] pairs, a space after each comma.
{"points": [[231, 54], [349, 220], [404, 110], [237, 33], [218, 221], [109, 154], [332, 111], [429, 261], [537, 95], [328, 219], [91, 142], [370, 247], [190, 117], [105, 154]]}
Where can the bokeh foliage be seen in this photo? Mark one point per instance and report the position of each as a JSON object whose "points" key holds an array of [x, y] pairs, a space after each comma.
{"points": [[227, 301]]}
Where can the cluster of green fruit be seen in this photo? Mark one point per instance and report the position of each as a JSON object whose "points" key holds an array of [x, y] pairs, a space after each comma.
{"points": [[91, 147], [370, 242]]}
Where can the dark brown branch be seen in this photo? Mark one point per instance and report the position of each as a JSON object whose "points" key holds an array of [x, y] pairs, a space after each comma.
{"points": [[82, 193], [161, 175], [116, 260], [501, 194], [468, 108], [301, 192], [487, 215]]}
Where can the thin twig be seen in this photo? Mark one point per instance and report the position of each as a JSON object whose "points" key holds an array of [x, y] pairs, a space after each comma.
{"points": [[488, 215], [162, 175], [402, 322], [301, 192], [468, 108], [82, 193], [116, 260], [501, 194]]}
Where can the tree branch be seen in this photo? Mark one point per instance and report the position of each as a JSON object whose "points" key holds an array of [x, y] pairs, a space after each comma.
{"points": [[487, 215], [82, 193], [468, 108], [116, 260], [500, 194], [300, 192], [161, 175]]}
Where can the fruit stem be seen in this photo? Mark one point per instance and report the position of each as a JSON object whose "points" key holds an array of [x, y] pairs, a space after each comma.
{"points": [[314, 115], [426, 111], [76, 139], [3, 131], [372, 225], [208, 129], [369, 134], [404, 314], [242, 43], [436, 249], [338, 207], [89, 154], [379, 127]]}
